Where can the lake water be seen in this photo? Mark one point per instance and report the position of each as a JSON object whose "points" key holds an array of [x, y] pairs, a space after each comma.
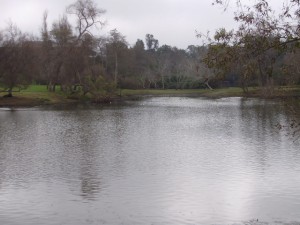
{"points": [[164, 160]]}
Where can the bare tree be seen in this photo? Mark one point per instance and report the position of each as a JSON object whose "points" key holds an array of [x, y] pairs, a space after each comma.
{"points": [[87, 15], [101, 51], [46, 55], [56, 49]]}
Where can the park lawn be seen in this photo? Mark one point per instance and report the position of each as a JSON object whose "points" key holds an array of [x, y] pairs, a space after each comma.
{"points": [[36, 88], [45, 97], [34, 95]]}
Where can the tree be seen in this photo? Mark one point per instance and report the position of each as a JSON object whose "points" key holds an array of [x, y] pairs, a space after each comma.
{"points": [[261, 18], [100, 88], [164, 63], [116, 44], [291, 68], [196, 55], [62, 33], [139, 61], [151, 43], [56, 48], [17, 59], [263, 41], [67, 52], [87, 16], [45, 52], [257, 46], [101, 44]]}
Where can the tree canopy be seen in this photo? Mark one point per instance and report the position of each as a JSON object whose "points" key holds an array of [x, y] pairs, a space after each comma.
{"points": [[257, 50]]}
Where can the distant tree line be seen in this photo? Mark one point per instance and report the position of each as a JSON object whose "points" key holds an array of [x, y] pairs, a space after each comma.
{"points": [[262, 52]]}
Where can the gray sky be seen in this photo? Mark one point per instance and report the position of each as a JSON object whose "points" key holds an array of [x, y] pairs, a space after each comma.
{"points": [[172, 22]]}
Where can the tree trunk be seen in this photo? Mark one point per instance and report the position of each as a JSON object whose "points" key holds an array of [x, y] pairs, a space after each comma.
{"points": [[207, 84], [51, 87], [116, 68], [150, 82], [163, 82], [9, 93], [143, 81]]}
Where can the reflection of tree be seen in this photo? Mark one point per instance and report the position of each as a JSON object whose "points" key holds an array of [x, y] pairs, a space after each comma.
{"points": [[90, 147], [292, 126], [90, 182], [2, 165], [259, 119], [2, 153], [80, 151], [260, 116], [119, 128], [89, 173]]}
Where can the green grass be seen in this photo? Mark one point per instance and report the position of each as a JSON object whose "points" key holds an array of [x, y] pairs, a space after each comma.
{"points": [[36, 88], [35, 95], [31, 88], [223, 92], [39, 95], [128, 92], [195, 92]]}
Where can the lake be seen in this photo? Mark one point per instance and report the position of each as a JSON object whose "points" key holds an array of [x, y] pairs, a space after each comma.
{"points": [[162, 160]]}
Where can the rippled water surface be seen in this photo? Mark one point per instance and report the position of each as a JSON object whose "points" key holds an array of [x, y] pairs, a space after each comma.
{"points": [[155, 161]]}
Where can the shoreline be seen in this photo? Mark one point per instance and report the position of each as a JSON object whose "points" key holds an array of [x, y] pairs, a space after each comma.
{"points": [[34, 99]]}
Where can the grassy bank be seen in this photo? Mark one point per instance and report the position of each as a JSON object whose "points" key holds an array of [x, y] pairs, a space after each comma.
{"points": [[34, 95], [38, 95], [293, 91]]}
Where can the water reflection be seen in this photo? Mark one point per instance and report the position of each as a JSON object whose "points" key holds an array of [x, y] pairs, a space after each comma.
{"points": [[76, 137], [155, 161]]}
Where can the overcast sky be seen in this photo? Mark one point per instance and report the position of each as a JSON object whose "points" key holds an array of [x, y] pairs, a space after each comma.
{"points": [[172, 22]]}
